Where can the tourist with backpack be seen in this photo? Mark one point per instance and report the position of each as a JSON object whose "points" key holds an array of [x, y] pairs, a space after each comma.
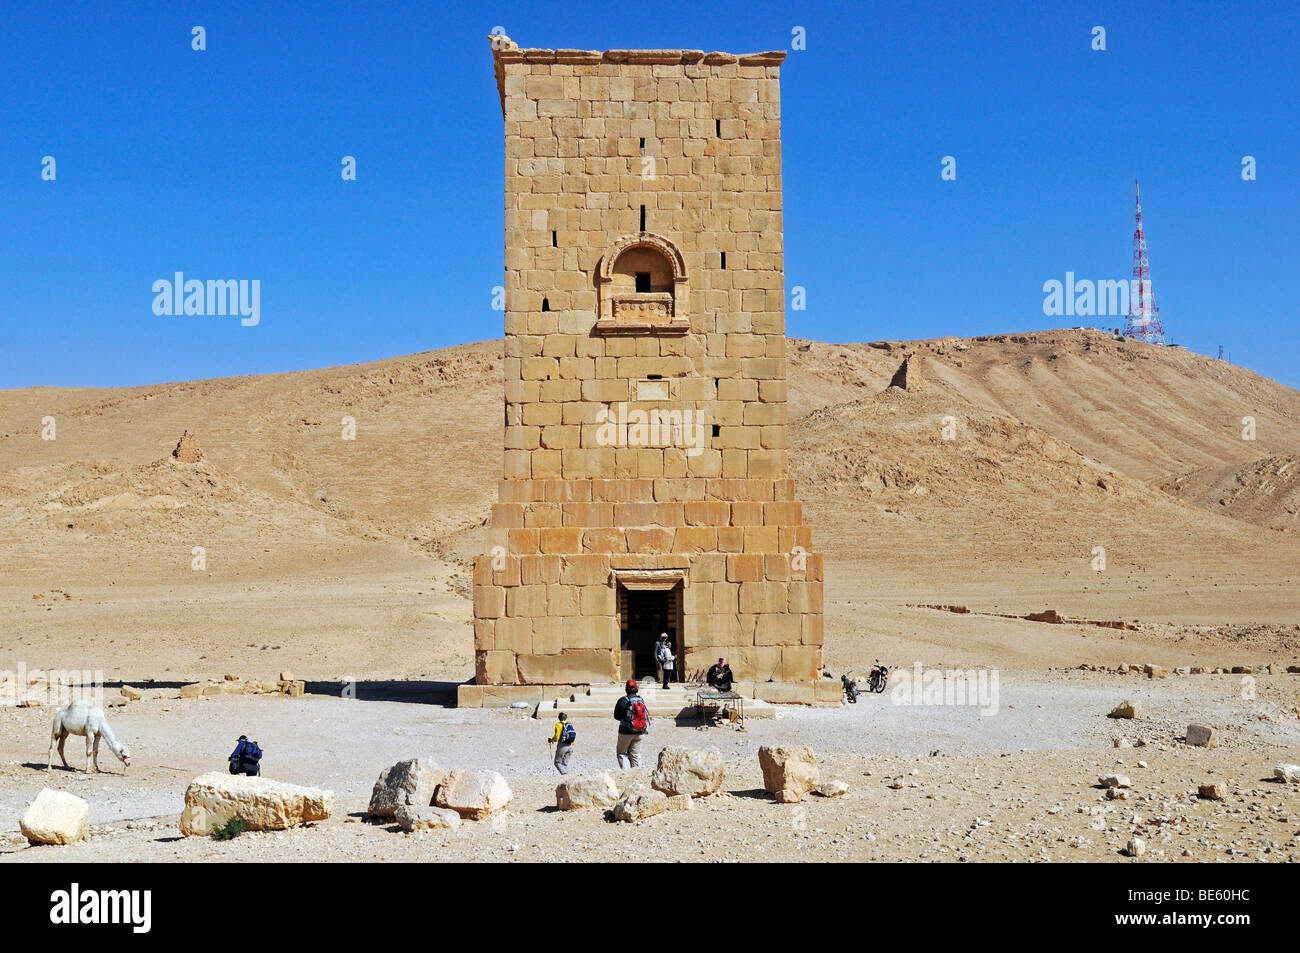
{"points": [[563, 738], [246, 758], [633, 722], [667, 661]]}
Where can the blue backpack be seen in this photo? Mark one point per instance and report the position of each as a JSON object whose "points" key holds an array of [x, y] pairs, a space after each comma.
{"points": [[568, 735]]}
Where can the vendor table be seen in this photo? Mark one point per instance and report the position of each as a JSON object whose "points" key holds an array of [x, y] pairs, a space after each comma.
{"points": [[709, 703]]}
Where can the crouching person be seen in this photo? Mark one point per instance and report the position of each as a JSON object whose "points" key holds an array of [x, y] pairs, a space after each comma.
{"points": [[246, 758]]}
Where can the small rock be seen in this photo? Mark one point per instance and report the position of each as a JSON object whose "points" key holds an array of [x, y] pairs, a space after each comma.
{"points": [[1126, 709], [1136, 847], [1289, 773], [1215, 791], [1115, 781], [833, 788]]}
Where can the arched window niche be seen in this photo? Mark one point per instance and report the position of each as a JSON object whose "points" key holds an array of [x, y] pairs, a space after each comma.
{"points": [[643, 288]]}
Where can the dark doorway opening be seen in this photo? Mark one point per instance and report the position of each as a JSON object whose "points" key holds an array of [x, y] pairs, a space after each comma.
{"points": [[643, 615]]}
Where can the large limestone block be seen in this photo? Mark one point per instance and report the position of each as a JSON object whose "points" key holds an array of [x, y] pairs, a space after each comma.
{"points": [[410, 817], [640, 801], [572, 667], [56, 817], [412, 783], [586, 790], [213, 799], [474, 794], [789, 772], [683, 771]]}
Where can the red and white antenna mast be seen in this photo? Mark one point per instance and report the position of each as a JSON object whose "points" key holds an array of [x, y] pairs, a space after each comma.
{"points": [[1143, 320]]}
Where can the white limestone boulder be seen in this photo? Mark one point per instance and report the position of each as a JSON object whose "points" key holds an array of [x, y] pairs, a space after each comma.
{"points": [[56, 817], [790, 772], [412, 818], [213, 799], [683, 771], [640, 801], [586, 790], [474, 795]]}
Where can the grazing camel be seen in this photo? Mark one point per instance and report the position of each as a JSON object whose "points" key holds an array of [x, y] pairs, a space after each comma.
{"points": [[82, 718]]}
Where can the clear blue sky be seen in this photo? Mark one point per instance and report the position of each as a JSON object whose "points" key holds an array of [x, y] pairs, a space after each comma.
{"points": [[225, 164]]}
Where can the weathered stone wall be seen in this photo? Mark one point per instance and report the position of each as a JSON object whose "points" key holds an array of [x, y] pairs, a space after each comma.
{"points": [[644, 276]]}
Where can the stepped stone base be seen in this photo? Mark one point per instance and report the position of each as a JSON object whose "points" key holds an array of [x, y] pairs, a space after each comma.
{"points": [[582, 700]]}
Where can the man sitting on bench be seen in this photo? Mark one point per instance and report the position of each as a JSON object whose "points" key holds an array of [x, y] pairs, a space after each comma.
{"points": [[720, 676]]}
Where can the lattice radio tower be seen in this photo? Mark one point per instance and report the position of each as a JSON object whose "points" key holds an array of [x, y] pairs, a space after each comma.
{"points": [[1143, 320]]}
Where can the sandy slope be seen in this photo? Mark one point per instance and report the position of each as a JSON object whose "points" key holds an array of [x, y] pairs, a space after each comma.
{"points": [[336, 556]]}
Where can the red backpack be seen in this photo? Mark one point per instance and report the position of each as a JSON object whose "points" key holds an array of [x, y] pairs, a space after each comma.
{"points": [[635, 718]]}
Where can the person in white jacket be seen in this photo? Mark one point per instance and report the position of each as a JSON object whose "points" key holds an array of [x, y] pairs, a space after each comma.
{"points": [[665, 660]]}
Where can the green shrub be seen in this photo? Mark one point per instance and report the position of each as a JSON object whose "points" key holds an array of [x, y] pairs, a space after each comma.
{"points": [[231, 829]]}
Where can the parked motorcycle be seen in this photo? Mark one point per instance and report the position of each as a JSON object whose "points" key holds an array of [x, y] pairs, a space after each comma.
{"points": [[851, 689], [878, 679]]}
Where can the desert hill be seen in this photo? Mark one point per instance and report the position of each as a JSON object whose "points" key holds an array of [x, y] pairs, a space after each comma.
{"points": [[1265, 491], [1062, 441]]}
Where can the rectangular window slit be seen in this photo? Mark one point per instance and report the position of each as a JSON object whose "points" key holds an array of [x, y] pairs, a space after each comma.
{"points": [[717, 128], [724, 261], [555, 240], [717, 430], [643, 218]]}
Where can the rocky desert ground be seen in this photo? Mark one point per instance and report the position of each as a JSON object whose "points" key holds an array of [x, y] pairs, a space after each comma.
{"points": [[1147, 488]]}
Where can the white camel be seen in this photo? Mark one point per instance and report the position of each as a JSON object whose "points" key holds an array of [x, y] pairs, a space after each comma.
{"points": [[83, 718]]}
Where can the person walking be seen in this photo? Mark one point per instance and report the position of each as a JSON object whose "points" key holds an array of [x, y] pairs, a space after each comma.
{"points": [[633, 722], [666, 660], [563, 738]]}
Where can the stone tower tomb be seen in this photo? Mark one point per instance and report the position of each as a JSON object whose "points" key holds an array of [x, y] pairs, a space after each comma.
{"points": [[645, 485]]}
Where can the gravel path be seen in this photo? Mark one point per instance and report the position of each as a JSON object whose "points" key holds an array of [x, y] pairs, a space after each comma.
{"points": [[342, 745]]}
